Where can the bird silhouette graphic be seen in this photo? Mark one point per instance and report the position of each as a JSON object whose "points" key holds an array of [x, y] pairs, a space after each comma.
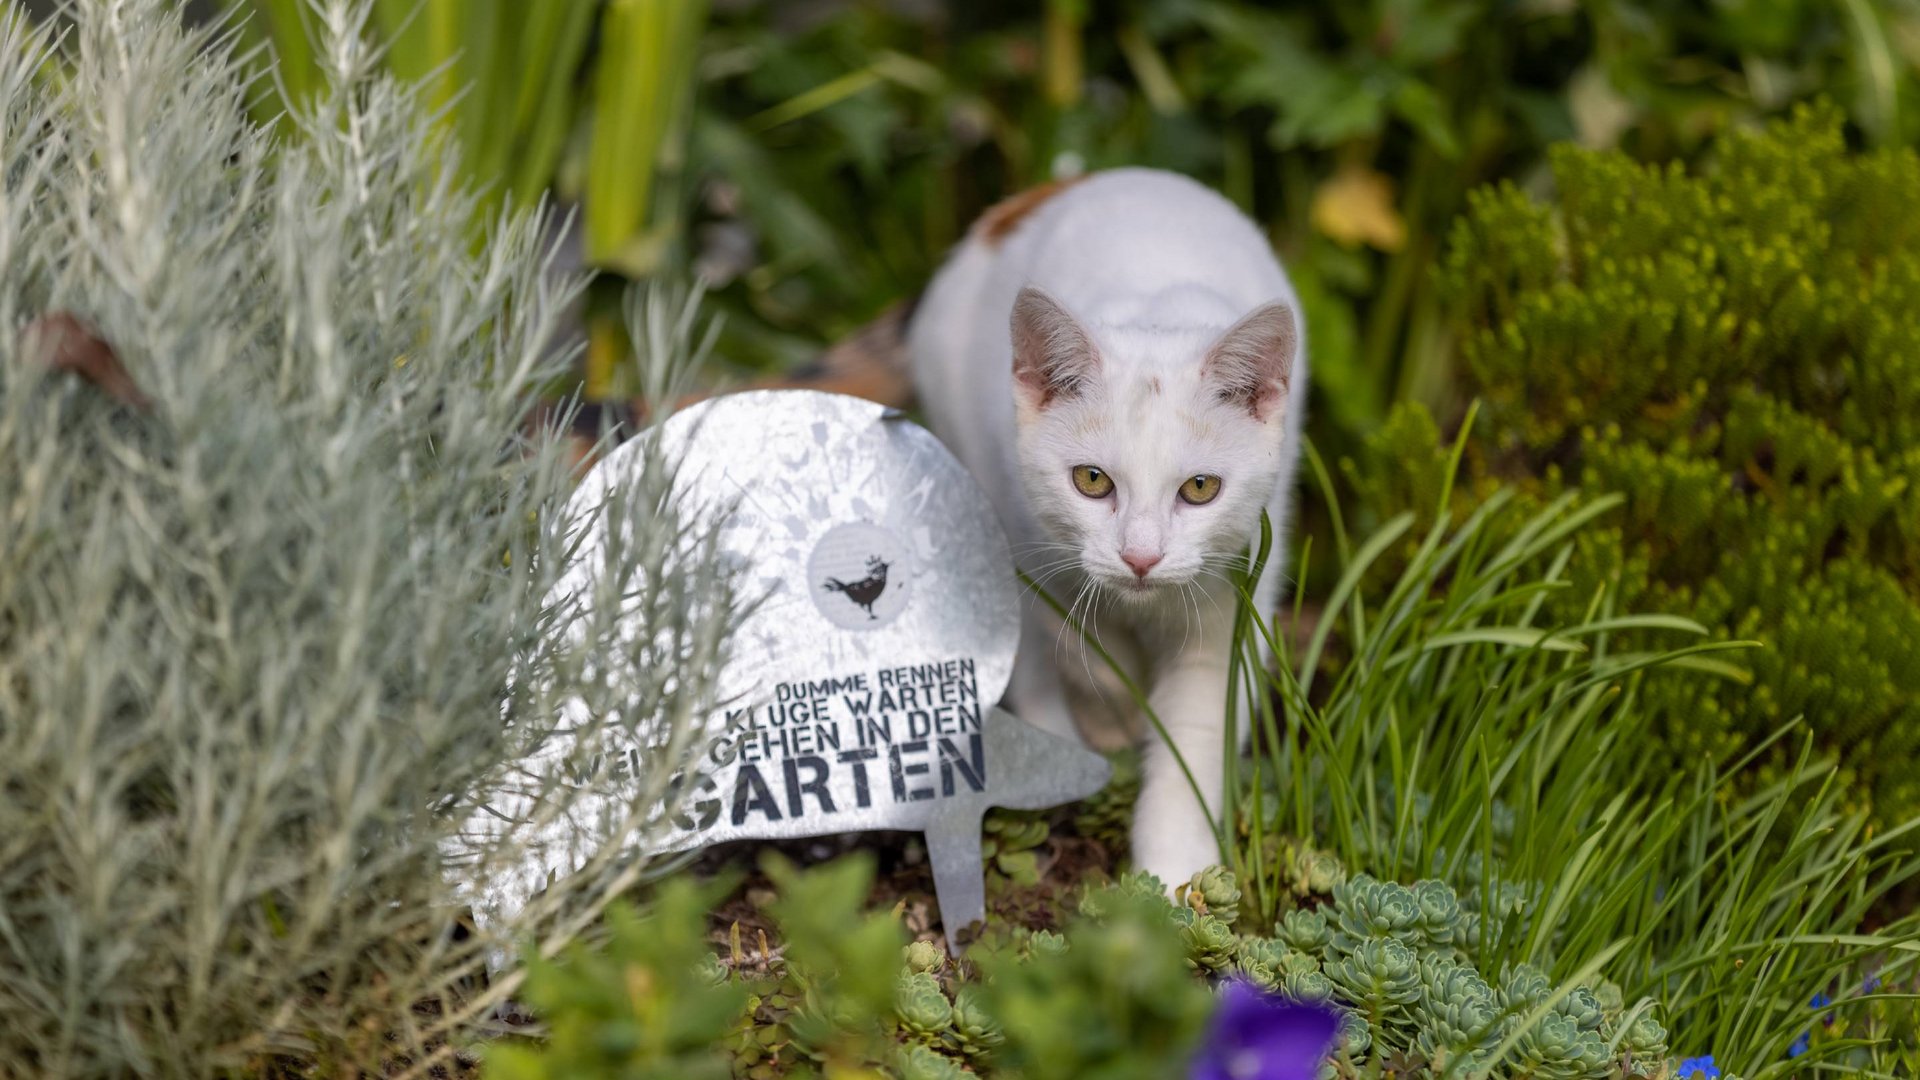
{"points": [[865, 591]]}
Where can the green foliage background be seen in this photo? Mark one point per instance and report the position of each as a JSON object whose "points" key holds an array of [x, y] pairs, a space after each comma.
{"points": [[1731, 349], [839, 148], [1468, 720], [815, 160]]}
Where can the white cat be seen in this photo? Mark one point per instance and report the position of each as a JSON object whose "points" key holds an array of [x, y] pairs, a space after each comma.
{"points": [[1119, 361]]}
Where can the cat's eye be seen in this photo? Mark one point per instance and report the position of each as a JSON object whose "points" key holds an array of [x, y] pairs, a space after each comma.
{"points": [[1199, 490], [1092, 481]]}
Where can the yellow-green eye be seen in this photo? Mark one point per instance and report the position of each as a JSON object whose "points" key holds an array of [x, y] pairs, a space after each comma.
{"points": [[1092, 481], [1200, 490]]}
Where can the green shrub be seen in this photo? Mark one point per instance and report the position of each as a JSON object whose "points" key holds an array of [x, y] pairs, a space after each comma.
{"points": [[651, 1003], [275, 597], [839, 150], [1114, 996], [1732, 351]]}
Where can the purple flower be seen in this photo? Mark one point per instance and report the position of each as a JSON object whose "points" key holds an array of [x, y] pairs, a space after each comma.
{"points": [[1698, 1068], [1260, 1036]]}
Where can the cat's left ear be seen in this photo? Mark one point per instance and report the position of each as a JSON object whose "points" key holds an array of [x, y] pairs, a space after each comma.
{"points": [[1251, 366]]}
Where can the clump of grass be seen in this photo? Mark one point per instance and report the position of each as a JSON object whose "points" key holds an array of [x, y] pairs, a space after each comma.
{"points": [[274, 620], [1462, 736]]}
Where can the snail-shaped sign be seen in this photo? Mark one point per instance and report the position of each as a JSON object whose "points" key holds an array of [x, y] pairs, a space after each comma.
{"points": [[862, 688]]}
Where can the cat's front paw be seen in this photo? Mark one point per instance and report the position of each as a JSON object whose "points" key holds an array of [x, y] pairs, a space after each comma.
{"points": [[1048, 713], [1172, 853]]}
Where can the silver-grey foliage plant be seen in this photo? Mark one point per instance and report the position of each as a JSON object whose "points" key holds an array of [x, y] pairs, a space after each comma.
{"points": [[272, 613]]}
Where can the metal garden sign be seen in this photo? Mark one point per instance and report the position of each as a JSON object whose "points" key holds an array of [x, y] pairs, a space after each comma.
{"points": [[862, 687]]}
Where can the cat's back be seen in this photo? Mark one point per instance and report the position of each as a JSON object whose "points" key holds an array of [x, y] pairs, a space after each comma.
{"points": [[1131, 230], [1113, 246]]}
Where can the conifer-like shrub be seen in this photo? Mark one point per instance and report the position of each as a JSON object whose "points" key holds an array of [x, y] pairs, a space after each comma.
{"points": [[1733, 351], [277, 547]]}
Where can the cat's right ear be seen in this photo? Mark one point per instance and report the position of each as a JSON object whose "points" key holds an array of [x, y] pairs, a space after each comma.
{"points": [[1054, 358], [1251, 366]]}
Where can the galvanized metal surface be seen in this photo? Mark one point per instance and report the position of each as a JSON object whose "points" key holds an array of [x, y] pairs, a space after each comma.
{"points": [[863, 686]]}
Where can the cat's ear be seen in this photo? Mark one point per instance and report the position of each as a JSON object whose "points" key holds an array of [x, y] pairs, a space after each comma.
{"points": [[1053, 356], [1251, 366]]}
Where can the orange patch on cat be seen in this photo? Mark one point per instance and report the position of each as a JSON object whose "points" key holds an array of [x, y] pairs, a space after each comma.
{"points": [[1005, 216]]}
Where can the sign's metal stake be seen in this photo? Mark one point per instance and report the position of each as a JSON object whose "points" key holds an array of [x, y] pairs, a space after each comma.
{"points": [[1035, 770]]}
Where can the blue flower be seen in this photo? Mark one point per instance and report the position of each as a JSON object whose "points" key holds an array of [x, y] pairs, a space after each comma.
{"points": [[1821, 1001], [1260, 1036], [1872, 984], [1800, 1044], [1697, 1068]]}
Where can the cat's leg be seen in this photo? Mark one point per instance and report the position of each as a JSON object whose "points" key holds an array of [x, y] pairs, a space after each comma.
{"points": [[1172, 836], [1036, 693]]}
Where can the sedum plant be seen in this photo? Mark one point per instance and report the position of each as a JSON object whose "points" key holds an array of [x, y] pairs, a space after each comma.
{"points": [[1415, 997], [1729, 350], [277, 549]]}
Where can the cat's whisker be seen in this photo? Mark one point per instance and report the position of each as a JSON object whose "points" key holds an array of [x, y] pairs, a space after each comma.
{"points": [[1047, 554], [1087, 596], [1208, 593], [1064, 557], [1086, 650], [1187, 590], [1040, 581], [1034, 569], [1186, 616], [1045, 577], [1051, 570], [1098, 639], [1086, 654], [1068, 626]]}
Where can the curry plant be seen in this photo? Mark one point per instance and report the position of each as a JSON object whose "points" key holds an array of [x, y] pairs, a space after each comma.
{"points": [[535, 111], [277, 579]]}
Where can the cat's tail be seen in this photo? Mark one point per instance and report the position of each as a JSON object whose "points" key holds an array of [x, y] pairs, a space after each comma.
{"points": [[870, 363]]}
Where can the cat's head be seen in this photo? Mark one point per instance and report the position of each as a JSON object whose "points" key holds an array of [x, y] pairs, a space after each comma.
{"points": [[1148, 454]]}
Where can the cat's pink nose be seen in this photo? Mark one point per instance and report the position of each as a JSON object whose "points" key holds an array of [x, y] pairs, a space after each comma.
{"points": [[1140, 563]]}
